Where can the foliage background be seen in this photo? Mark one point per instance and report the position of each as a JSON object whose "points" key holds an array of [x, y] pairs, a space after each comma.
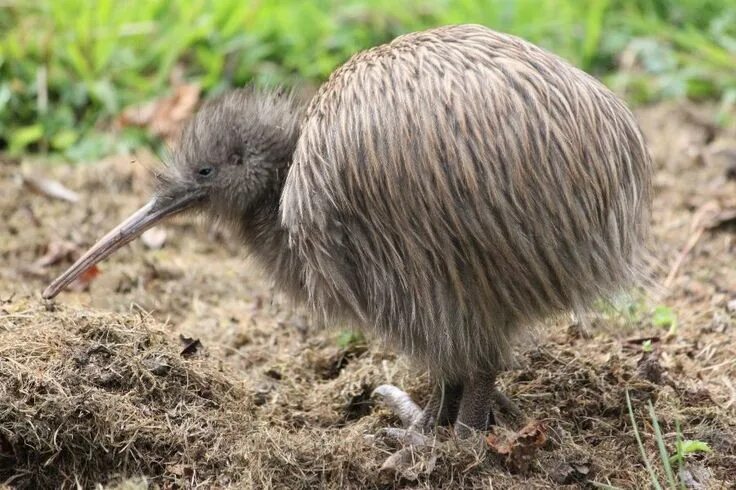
{"points": [[68, 67]]}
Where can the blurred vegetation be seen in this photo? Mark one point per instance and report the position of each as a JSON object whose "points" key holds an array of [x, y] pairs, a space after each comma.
{"points": [[67, 67]]}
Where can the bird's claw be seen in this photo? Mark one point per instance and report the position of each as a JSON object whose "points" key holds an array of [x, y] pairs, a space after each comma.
{"points": [[400, 403], [396, 436]]}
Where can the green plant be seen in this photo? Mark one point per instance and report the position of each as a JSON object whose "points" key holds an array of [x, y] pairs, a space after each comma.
{"points": [[683, 448], [665, 317], [686, 447], [349, 338]]}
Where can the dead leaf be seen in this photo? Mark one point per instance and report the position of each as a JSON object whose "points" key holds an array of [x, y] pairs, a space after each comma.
{"points": [[518, 449], [180, 470], [163, 117], [191, 346], [696, 477], [154, 238], [731, 306], [567, 473], [731, 171], [721, 153], [82, 282], [49, 188]]}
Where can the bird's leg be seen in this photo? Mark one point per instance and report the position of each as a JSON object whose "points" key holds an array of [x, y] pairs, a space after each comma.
{"points": [[476, 405], [480, 398], [442, 407], [473, 405]]}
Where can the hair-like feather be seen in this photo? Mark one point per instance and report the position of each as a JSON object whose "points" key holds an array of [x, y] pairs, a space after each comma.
{"points": [[457, 184]]}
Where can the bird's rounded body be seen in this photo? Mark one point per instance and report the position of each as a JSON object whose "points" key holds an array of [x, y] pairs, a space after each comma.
{"points": [[443, 190], [456, 184]]}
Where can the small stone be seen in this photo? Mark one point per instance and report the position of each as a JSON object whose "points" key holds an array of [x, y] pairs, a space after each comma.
{"points": [[731, 306]]}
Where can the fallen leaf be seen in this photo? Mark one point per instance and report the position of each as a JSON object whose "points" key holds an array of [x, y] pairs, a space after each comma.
{"points": [[180, 470], [731, 171], [518, 449], [82, 282], [154, 238], [191, 346], [566, 473], [641, 340], [696, 477], [49, 188], [163, 117]]}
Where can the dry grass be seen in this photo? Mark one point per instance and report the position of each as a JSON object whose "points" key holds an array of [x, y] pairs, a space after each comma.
{"points": [[94, 390], [88, 396]]}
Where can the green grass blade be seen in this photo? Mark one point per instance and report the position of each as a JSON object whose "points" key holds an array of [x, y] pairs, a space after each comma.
{"points": [[663, 454], [642, 451]]}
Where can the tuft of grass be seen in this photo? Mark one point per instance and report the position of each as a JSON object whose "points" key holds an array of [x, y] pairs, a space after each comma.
{"points": [[640, 444], [683, 448]]}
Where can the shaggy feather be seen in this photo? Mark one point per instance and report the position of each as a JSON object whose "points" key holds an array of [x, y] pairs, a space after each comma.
{"points": [[457, 184]]}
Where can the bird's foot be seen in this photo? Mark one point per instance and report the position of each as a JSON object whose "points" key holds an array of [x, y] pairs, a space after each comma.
{"points": [[412, 443], [399, 402], [475, 407], [411, 416], [468, 408]]}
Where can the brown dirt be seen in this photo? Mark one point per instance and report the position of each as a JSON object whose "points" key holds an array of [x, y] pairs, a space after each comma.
{"points": [[96, 387]]}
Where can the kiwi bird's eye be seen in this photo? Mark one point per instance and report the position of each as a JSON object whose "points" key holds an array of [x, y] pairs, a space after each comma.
{"points": [[205, 171]]}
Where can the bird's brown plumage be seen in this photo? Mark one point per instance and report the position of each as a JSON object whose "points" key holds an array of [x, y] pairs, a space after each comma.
{"points": [[456, 184], [444, 191]]}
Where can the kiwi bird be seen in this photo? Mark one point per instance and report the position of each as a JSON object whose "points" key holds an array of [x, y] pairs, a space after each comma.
{"points": [[445, 191]]}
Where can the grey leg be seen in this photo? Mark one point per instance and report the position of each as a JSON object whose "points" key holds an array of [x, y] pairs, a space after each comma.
{"points": [[442, 407], [476, 405]]}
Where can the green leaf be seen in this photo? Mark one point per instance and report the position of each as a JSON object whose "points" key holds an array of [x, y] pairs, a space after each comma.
{"points": [[348, 338], [664, 317], [24, 136], [647, 346], [690, 447], [687, 447], [64, 139], [92, 147], [5, 95]]}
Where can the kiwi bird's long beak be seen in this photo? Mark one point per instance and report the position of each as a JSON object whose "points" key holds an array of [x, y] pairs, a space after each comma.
{"points": [[155, 211]]}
